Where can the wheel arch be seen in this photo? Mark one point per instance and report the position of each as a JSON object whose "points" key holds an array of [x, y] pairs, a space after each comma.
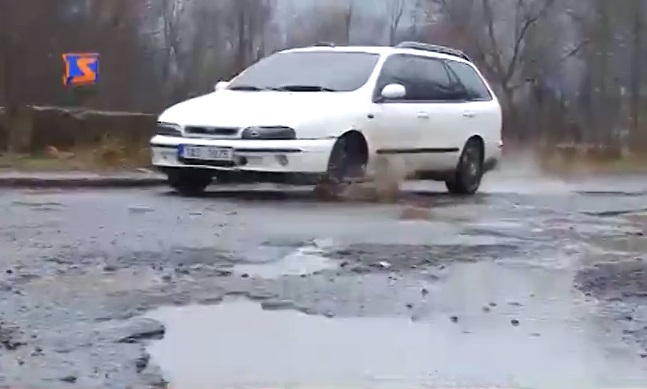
{"points": [[481, 142], [357, 139]]}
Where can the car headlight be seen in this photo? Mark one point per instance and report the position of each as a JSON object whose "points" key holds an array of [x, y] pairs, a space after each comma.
{"points": [[168, 129], [269, 133]]}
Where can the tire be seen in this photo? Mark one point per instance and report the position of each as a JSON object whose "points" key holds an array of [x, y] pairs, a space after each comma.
{"points": [[189, 183], [347, 164], [469, 172]]}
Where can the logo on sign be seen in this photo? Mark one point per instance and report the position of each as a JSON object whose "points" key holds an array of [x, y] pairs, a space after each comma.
{"points": [[81, 69]]}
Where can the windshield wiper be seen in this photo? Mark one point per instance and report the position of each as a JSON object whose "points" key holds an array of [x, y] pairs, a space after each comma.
{"points": [[247, 88], [284, 88], [305, 88]]}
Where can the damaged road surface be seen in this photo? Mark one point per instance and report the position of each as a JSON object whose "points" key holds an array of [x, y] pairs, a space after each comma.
{"points": [[532, 283]]}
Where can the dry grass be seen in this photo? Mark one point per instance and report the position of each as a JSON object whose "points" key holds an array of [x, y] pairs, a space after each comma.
{"points": [[111, 155], [582, 165]]}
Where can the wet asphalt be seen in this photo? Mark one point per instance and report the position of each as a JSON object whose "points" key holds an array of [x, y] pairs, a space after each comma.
{"points": [[533, 283]]}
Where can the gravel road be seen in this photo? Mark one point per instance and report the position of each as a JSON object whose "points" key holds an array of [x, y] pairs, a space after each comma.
{"points": [[532, 283]]}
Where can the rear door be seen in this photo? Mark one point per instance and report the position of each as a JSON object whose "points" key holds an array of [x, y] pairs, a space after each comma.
{"points": [[481, 111], [443, 103]]}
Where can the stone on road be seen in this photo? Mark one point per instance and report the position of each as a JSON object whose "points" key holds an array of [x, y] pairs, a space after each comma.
{"points": [[532, 283]]}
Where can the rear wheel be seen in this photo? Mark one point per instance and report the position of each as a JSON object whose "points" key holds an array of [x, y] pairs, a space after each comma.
{"points": [[346, 165], [469, 171], [189, 182]]}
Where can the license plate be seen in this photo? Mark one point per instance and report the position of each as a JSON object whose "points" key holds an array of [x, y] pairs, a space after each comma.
{"points": [[205, 153]]}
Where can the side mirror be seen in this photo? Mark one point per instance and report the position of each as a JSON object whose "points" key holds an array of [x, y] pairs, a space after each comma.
{"points": [[393, 91], [220, 85]]}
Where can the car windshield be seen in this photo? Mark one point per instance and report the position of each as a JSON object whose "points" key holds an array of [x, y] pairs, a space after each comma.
{"points": [[308, 71]]}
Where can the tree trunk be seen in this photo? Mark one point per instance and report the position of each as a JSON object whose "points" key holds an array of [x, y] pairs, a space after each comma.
{"points": [[636, 76]]}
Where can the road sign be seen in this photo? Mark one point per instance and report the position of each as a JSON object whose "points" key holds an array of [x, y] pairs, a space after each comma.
{"points": [[81, 69]]}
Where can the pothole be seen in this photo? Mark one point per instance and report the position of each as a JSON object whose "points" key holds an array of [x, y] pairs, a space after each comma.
{"points": [[304, 260], [238, 344]]}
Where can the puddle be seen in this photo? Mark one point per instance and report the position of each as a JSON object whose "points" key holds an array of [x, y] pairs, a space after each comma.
{"points": [[623, 244], [40, 206], [300, 261], [559, 342]]}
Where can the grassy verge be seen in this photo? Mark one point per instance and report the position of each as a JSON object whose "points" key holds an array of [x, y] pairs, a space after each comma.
{"points": [[583, 165], [108, 157]]}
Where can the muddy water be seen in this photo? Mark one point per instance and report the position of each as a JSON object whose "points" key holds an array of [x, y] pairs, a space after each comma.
{"points": [[500, 324], [515, 320]]}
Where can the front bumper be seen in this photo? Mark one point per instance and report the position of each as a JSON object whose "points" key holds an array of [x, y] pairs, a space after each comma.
{"points": [[272, 156]]}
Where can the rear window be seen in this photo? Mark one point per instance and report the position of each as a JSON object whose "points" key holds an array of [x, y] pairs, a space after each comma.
{"points": [[473, 83], [334, 70]]}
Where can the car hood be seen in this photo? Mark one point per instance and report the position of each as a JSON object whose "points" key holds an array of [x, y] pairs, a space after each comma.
{"points": [[241, 108]]}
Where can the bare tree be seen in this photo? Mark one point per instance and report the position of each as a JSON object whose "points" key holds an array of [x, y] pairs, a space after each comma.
{"points": [[329, 23], [566, 69], [637, 65], [394, 11], [168, 40], [250, 20], [527, 15]]}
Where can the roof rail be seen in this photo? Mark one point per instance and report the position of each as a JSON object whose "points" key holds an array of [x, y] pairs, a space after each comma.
{"points": [[324, 44], [433, 48]]}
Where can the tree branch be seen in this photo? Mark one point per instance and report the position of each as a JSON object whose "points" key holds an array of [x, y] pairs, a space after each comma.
{"points": [[521, 36], [489, 18]]}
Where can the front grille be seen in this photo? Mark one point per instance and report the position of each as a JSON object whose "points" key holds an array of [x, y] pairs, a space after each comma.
{"points": [[212, 131], [269, 133], [187, 161]]}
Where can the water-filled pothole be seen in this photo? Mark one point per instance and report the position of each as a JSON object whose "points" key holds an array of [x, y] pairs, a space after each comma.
{"points": [[292, 261], [239, 345]]}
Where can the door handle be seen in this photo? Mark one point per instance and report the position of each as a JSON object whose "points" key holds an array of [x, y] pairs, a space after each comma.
{"points": [[423, 115], [469, 114]]}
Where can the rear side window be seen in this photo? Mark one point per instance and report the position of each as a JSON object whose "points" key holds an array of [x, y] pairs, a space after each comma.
{"points": [[472, 82], [435, 81]]}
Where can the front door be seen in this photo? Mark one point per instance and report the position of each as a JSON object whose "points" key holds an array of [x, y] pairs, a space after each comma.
{"points": [[399, 122]]}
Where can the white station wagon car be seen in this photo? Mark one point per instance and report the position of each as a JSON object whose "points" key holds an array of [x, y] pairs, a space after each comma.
{"points": [[333, 115]]}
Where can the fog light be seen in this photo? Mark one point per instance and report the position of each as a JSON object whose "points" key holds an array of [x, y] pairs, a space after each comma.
{"points": [[282, 160]]}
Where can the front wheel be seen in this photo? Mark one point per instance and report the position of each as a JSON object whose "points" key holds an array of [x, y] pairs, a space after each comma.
{"points": [[469, 171], [346, 165], [189, 183]]}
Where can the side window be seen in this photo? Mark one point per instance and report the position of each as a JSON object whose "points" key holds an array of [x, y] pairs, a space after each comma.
{"points": [[426, 79], [472, 82], [433, 81], [396, 70]]}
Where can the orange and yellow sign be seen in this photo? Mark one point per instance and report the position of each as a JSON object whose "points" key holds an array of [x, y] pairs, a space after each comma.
{"points": [[81, 69]]}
